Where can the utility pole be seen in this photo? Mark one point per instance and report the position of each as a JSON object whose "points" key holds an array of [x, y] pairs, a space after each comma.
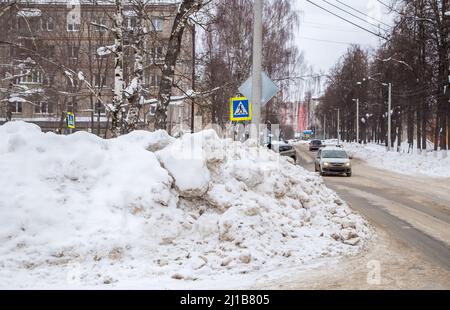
{"points": [[257, 67], [357, 120], [389, 117]]}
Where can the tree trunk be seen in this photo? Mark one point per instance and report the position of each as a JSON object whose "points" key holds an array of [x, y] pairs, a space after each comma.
{"points": [[185, 10], [134, 99], [117, 102]]}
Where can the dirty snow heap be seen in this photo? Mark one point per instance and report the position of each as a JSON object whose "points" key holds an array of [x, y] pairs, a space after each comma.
{"points": [[146, 210]]}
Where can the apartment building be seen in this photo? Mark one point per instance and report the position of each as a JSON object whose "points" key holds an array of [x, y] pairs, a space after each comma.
{"points": [[51, 48]]}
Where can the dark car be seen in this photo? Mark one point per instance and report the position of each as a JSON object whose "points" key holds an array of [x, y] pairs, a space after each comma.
{"points": [[315, 145], [284, 149]]}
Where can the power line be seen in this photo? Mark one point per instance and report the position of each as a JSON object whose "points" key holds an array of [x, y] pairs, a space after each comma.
{"points": [[354, 24], [351, 14], [326, 27], [329, 41], [389, 7], [356, 10]]}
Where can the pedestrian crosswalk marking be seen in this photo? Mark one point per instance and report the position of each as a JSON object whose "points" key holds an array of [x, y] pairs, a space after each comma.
{"points": [[240, 110]]}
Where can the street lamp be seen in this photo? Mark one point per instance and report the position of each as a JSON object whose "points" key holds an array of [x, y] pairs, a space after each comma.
{"points": [[357, 119], [357, 113], [338, 127], [389, 85]]}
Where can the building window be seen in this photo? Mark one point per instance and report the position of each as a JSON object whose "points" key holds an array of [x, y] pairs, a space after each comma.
{"points": [[99, 80], [100, 108], [50, 24], [43, 108], [30, 77], [73, 51], [16, 107], [155, 80], [157, 24], [73, 24], [130, 22], [98, 23], [152, 111], [29, 20], [73, 27], [156, 52]]}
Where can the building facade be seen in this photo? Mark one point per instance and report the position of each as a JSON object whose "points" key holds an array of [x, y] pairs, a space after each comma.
{"points": [[57, 57]]}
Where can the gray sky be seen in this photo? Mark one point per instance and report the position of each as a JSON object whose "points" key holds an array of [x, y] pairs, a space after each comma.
{"points": [[324, 37]]}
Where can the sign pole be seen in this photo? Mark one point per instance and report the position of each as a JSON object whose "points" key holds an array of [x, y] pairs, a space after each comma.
{"points": [[257, 68], [389, 138]]}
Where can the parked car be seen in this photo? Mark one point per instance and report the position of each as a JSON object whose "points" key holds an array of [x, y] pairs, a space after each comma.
{"points": [[284, 148], [333, 160], [315, 145]]}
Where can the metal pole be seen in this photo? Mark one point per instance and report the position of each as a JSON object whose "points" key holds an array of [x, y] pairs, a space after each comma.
{"points": [[193, 79], [324, 127], [92, 114], [339, 126], [389, 117], [357, 120], [257, 67]]}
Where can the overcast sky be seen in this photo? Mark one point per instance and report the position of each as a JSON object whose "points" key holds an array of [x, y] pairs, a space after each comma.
{"points": [[324, 37]]}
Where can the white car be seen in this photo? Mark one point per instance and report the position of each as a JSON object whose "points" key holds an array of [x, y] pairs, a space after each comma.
{"points": [[333, 160]]}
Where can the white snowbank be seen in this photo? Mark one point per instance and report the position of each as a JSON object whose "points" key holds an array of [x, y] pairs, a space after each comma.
{"points": [[148, 211], [435, 164]]}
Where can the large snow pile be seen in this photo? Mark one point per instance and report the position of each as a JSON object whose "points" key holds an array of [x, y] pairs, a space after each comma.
{"points": [[435, 164], [146, 210]]}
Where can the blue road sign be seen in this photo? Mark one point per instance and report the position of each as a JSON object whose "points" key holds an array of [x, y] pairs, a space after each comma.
{"points": [[70, 120], [240, 109]]}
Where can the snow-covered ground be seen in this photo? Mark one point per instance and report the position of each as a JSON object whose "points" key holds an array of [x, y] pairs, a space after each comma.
{"points": [[434, 164], [149, 211]]}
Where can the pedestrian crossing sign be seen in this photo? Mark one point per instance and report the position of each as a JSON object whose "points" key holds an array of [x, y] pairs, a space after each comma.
{"points": [[240, 109], [70, 120]]}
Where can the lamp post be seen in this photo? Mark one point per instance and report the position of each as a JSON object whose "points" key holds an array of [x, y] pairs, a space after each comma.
{"points": [[389, 138], [389, 117], [339, 127], [357, 115], [357, 119]]}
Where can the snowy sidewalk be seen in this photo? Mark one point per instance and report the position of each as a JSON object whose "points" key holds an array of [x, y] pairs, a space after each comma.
{"points": [[434, 164]]}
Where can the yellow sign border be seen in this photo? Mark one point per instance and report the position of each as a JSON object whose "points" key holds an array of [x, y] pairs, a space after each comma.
{"points": [[240, 119], [74, 120]]}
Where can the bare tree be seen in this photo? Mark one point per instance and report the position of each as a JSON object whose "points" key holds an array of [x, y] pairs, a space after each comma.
{"points": [[185, 10]]}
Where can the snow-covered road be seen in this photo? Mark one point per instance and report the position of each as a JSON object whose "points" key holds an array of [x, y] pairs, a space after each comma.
{"points": [[414, 210]]}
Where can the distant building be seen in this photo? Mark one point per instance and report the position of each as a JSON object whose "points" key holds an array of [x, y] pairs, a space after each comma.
{"points": [[45, 35], [295, 115]]}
